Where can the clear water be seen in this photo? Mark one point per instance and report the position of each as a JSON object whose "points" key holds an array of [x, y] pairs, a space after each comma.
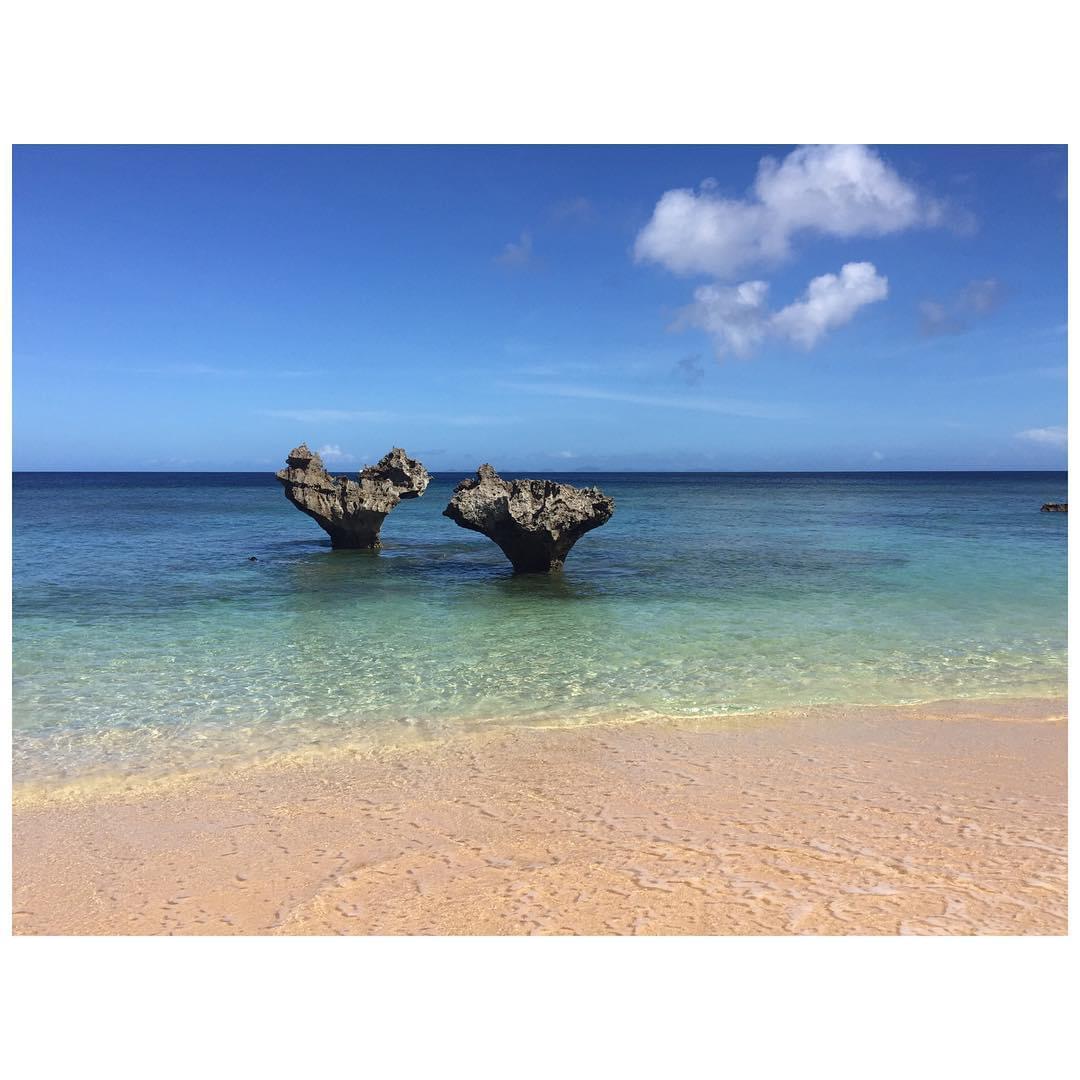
{"points": [[145, 640]]}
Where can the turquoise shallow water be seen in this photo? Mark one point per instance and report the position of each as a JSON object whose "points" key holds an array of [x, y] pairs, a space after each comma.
{"points": [[144, 639]]}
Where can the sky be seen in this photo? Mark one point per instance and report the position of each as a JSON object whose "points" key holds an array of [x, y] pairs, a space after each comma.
{"points": [[551, 309]]}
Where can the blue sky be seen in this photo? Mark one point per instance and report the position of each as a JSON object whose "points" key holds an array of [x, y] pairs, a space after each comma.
{"points": [[542, 308]]}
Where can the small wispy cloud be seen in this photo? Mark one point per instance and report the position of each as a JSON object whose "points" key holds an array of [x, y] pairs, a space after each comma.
{"points": [[333, 452], [1046, 436], [975, 300], [691, 369], [517, 255], [1052, 165], [935, 320], [724, 406], [981, 296], [578, 209]]}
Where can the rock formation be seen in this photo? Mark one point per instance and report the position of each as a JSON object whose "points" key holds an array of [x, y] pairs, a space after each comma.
{"points": [[535, 522], [1060, 508], [351, 511]]}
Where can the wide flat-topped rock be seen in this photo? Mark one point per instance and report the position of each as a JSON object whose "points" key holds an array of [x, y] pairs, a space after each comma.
{"points": [[351, 511], [535, 522]]}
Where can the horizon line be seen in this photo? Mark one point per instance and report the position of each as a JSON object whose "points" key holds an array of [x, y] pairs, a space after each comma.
{"points": [[563, 472]]}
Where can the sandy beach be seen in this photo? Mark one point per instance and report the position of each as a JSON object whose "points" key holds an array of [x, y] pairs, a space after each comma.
{"points": [[933, 819]]}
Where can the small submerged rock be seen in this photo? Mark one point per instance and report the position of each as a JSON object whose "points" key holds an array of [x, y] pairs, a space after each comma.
{"points": [[535, 522], [351, 511], [1057, 508]]}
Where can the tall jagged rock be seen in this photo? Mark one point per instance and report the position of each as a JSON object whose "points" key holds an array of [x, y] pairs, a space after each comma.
{"points": [[535, 522], [351, 511]]}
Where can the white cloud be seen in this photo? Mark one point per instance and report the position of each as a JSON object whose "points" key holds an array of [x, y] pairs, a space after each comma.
{"points": [[738, 319], [517, 254], [830, 301], [842, 191], [334, 453], [1046, 436], [734, 315]]}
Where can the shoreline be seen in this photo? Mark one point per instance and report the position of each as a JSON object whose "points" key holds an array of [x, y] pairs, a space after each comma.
{"points": [[945, 817], [104, 783]]}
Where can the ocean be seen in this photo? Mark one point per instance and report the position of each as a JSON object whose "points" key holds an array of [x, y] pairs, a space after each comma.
{"points": [[146, 641]]}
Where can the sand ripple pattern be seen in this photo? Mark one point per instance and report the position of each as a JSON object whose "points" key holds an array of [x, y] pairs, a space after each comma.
{"points": [[871, 821]]}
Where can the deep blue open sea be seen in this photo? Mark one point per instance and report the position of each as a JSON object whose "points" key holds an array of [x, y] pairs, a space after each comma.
{"points": [[145, 640]]}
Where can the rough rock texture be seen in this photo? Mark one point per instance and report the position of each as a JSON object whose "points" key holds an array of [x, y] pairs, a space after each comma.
{"points": [[408, 476], [1060, 508], [351, 511], [535, 522]]}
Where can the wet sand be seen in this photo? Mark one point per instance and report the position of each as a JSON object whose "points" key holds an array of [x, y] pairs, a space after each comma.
{"points": [[932, 819]]}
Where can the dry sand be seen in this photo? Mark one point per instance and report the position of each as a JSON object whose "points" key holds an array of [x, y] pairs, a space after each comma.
{"points": [[935, 819]]}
